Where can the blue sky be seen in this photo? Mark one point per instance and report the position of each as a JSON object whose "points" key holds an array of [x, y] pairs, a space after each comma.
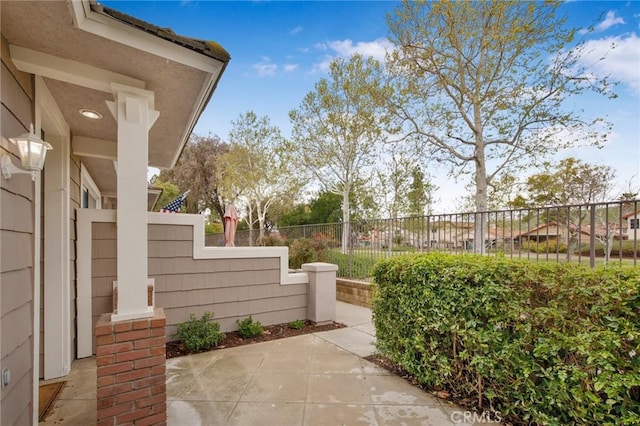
{"points": [[279, 49]]}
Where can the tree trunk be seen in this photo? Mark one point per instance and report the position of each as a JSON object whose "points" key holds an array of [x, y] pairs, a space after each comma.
{"points": [[346, 231], [481, 201]]}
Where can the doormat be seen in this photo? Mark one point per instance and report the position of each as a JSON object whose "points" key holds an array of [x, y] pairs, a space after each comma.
{"points": [[47, 395]]}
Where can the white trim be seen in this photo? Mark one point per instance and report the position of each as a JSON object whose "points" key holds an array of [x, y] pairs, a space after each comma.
{"points": [[36, 293], [112, 29], [84, 146], [57, 268], [74, 72], [85, 218], [86, 181]]}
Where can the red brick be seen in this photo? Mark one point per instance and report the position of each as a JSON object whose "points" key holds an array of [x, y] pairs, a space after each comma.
{"points": [[158, 351], [156, 399], [149, 381], [132, 376], [132, 396], [140, 324], [155, 390], [106, 381], [115, 348], [158, 322], [157, 332], [159, 419], [149, 343], [159, 408], [149, 362], [103, 329], [121, 327], [115, 369], [132, 355], [134, 415], [103, 360], [111, 421], [132, 335], [114, 390], [159, 370], [105, 339], [106, 402], [114, 411]]}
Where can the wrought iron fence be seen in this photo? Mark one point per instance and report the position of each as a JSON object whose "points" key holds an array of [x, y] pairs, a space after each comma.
{"points": [[594, 234]]}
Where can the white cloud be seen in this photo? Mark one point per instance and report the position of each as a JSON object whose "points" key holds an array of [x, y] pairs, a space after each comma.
{"points": [[621, 62], [346, 48], [290, 67], [609, 21], [296, 30], [265, 68]]}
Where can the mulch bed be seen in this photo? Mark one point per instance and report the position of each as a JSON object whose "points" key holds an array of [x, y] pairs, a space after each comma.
{"points": [[271, 332]]}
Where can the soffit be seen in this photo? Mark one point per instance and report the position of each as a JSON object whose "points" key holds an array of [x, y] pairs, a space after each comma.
{"points": [[47, 27]]}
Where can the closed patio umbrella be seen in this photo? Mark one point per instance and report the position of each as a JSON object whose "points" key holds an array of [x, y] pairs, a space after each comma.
{"points": [[230, 225]]}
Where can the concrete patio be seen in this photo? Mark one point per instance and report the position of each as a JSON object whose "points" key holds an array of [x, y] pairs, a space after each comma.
{"points": [[313, 379]]}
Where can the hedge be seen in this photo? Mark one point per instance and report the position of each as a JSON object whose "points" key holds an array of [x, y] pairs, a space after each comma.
{"points": [[548, 343]]}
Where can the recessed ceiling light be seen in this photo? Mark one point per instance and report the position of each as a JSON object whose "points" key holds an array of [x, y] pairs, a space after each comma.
{"points": [[89, 113]]}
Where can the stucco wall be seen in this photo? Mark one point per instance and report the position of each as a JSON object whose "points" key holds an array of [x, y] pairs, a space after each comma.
{"points": [[16, 250], [230, 288]]}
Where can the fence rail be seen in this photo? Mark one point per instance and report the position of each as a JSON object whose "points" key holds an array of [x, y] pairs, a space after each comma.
{"points": [[594, 234]]}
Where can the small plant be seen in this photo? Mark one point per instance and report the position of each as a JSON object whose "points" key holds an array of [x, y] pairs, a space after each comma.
{"points": [[199, 334], [297, 324], [249, 328]]}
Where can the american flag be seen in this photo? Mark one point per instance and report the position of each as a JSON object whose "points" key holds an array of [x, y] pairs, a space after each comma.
{"points": [[175, 205]]}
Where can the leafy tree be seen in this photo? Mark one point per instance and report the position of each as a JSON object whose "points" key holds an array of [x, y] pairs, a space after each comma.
{"points": [[483, 85], [257, 166], [420, 195], [571, 181], [199, 170], [169, 192], [337, 125], [393, 181]]}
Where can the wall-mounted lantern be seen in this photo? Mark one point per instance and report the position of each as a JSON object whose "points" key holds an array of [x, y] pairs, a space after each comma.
{"points": [[33, 152]]}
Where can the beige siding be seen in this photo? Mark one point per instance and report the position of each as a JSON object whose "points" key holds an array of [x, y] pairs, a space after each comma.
{"points": [[16, 251], [230, 288]]}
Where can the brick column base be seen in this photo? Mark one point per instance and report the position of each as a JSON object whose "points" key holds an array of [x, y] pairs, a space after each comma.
{"points": [[130, 360]]}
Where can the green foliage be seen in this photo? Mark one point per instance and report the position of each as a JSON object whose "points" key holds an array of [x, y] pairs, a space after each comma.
{"points": [[249, 328], [546, 246], [297, 324], [213, 228], [307, 250], [271, 241], [356, 266], [548, 343], [169, 192], [199, 334]]}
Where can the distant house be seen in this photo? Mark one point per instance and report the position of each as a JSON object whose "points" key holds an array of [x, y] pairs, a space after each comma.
{"points": [[631, 225], [562, 232]]}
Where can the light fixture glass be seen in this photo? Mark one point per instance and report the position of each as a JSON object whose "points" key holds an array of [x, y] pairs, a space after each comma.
{"points": [[33, 152], [89, 113]]}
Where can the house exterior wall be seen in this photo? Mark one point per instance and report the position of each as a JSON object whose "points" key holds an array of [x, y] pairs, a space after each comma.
{"points": [[230, 288], [17, 199]]}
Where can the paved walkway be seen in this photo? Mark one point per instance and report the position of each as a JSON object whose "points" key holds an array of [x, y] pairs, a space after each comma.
{"points": [[314, 379]]}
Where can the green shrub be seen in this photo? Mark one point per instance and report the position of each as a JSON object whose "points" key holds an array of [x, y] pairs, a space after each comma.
{"points": [[249, 328], [546, 246], [306, 250], [357, 266], [271, 241], [297, 324], [199, 334], [547, 343]]}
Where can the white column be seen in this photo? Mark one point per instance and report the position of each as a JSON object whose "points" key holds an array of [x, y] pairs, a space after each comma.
{"points": [[134, 113]]}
